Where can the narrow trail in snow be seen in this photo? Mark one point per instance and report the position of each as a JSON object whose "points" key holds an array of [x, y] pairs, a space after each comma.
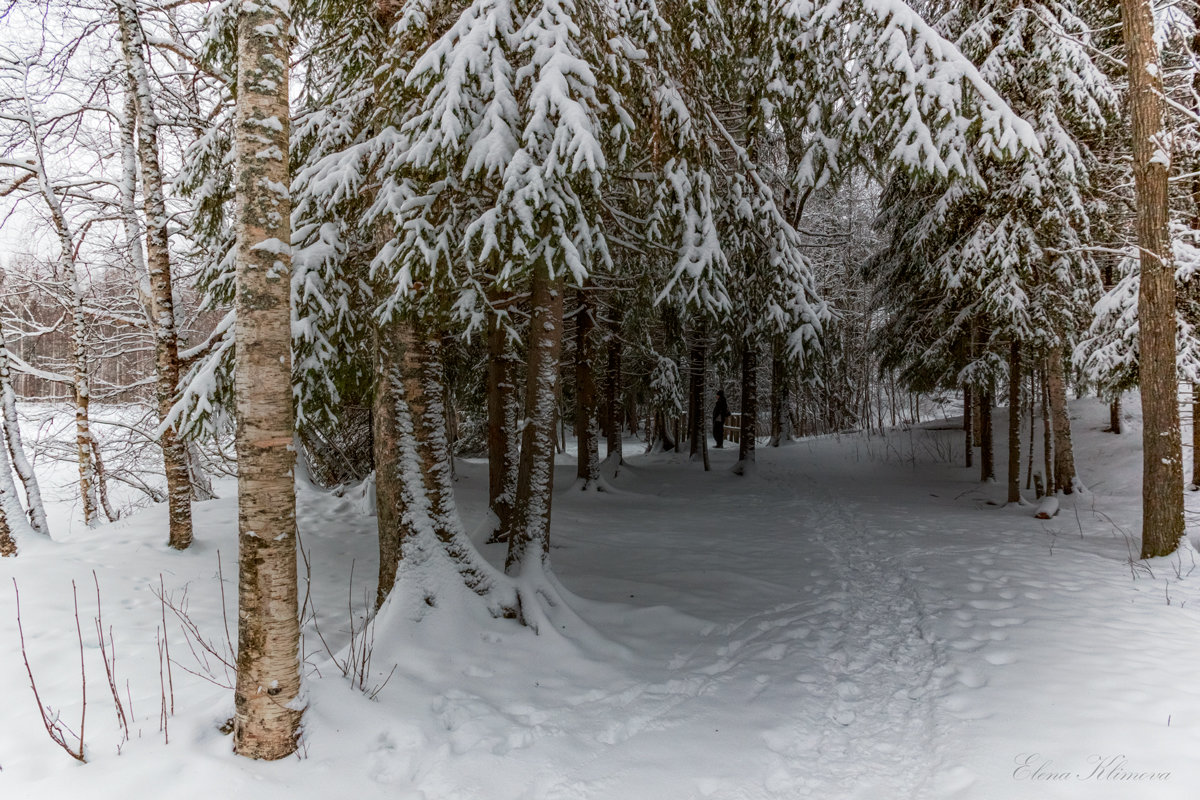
{"points": [[880, 667]]}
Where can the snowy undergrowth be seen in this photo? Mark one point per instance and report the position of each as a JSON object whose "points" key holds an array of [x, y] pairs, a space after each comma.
{"points": [[860, 618]]}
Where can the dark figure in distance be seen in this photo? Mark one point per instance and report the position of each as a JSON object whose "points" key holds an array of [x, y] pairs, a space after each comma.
{"points": [[720, 412]]}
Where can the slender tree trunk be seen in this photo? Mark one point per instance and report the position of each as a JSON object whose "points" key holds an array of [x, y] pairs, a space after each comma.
{"points": [[1060, 419], [696, 396], [69, 273], [749, 429], [503, 414], [158, 264], [987, 453], [1195, 436], [616, 409], [1032, 432], [12, 436], [267, 699], [586, 400], [779, 398], [968, 427], [1162, 476], [535, 485], [1014, 422], [1047, 435], [389, 480], [83, 432], [1114, 415]]}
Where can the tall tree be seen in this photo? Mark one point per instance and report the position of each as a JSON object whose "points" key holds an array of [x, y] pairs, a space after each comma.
{"points": [[1162, 465], [160, 297], [267, 695]]}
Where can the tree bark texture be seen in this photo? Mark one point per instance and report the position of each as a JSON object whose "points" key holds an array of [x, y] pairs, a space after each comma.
{"points": [[535, 484], [1162, 474], [158, 264], [389, 481], [267, 696]]}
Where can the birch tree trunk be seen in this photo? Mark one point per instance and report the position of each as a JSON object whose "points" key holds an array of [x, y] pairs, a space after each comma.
{"points": [[158, 264], [535, 485], [586, 400], [16, 449], [267, 697], [69, 274], [1162, 470]]}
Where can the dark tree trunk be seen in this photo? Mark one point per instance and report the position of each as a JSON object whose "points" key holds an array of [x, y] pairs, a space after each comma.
{"points": [[612, 388], [586, 400], [987, 454], [1014, 423], [696, 397], [968, 426], [749, 429], [503, 411], [779, 393], [1114, 415]]}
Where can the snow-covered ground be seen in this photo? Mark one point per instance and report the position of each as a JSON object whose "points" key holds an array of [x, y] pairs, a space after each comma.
{"points": [[859, 618]]}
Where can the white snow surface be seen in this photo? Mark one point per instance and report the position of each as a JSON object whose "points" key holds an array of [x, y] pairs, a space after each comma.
{"points": [[858, 619]]}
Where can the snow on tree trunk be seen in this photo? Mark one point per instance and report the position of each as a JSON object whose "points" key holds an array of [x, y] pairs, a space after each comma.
{"points": [[1060, 420], [1014, 422], [586, 399], [424, 394], [1162, 478], [267, 700], [530, 542], [158, 265], [80, 380], [16, 449]]}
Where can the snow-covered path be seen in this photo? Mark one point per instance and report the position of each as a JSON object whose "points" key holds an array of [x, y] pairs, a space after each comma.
{"points": [[848, 622]]}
